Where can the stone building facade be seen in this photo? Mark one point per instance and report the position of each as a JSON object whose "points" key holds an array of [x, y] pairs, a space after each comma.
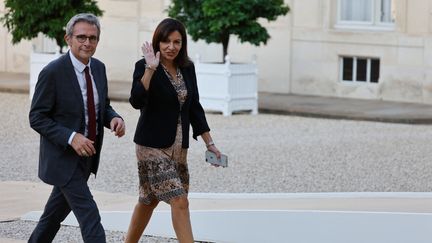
{"points": [[371, 49]]}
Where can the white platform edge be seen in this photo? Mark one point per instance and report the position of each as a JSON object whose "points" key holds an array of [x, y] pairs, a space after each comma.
{"points": [[286, 225], [198, 195]]}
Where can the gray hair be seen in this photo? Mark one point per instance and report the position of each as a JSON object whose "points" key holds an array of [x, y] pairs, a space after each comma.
{"points": [[82, 17]]}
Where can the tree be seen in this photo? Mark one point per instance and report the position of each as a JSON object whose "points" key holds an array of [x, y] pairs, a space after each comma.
{"points": [[215, 20], [25, 19]]}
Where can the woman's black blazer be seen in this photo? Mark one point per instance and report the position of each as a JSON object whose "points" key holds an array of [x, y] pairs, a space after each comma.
{"points": [[160, 108]]}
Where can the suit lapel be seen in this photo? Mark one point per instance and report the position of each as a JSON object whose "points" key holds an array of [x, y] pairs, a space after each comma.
{"points": [[71, 77], [188, 81], [166, 82], [186, 77], [100, 83], [97, 79]]}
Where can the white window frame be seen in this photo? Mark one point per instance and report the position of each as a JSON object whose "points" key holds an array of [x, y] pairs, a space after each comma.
{"points": [[374, 24], [354, 71]]}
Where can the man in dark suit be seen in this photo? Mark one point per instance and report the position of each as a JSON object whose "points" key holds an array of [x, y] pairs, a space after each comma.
{"points": [[69, 109]]}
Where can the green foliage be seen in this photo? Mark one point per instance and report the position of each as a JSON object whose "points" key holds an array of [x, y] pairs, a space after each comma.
{"points": [[215, 20], [24, 19]]}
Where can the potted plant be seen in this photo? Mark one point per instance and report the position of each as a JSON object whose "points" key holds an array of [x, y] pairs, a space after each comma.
{"points": [[26, 19], [227, 87]]}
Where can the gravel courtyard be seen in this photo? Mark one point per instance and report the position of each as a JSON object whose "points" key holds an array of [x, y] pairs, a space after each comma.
{"points": [[267, 153]]}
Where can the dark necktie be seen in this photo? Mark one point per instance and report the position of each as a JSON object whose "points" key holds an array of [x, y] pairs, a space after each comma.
{"points": [[91, 112]]}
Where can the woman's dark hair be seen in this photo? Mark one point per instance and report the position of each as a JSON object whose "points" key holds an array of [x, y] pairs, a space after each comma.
{"points": [[163, 30]]}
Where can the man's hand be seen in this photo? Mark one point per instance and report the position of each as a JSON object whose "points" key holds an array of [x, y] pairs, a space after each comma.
{"points": [[117, 126], [83, 146]]}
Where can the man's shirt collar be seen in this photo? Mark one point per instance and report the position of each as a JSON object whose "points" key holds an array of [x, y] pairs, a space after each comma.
{"points": [[78, 65]]}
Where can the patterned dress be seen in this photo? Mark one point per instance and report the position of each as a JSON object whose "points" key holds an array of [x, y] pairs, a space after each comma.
{"points": [[163, 172]]}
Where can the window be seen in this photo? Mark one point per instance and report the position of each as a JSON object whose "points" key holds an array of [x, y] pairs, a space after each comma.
{"points": [[360, 69], [356, 10], [366, 13]]}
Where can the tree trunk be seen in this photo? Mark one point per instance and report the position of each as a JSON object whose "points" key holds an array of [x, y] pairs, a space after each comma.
{"points": [[60, 45], [225, 41]]}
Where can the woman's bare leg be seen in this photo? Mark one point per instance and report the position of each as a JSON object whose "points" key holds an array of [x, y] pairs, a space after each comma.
{"points": [[181, 219], [140, 218]]}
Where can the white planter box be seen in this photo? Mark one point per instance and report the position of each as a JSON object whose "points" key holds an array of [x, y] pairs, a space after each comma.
{"points": [[37, 62], [227, 87]]}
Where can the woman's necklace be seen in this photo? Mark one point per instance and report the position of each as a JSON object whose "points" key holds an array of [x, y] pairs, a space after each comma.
{"points": [[176, 72]]}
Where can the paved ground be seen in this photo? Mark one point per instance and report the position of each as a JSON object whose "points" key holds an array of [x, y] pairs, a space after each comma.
{"points": [[269, 154]]}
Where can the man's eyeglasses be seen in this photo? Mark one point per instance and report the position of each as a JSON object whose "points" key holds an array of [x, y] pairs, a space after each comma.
{"points": [[82, 38]]}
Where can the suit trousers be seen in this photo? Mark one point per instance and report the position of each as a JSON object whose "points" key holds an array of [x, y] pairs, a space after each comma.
{"points": [[75, 196]]}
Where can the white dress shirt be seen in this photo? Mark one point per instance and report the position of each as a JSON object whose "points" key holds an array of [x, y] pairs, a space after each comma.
{"points": [[79, 71]]}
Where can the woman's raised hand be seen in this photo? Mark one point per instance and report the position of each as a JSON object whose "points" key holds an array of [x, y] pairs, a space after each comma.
{"points": [[151, 59]]}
